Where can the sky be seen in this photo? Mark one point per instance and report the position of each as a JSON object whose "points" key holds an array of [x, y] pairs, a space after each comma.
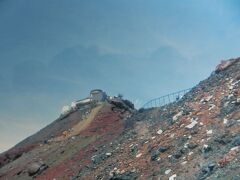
{"points": [[53, 52]]}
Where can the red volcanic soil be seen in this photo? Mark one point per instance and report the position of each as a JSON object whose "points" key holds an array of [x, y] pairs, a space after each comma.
{"points": [[106, 126]]}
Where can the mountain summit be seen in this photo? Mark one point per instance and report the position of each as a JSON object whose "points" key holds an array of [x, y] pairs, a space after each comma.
{"points": [[102, 137]]}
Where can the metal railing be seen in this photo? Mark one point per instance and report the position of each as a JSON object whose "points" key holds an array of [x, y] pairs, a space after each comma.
{"points": [[167, 99]]}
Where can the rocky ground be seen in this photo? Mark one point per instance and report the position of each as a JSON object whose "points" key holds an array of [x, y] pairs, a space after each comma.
{"points": [[197, 137]]}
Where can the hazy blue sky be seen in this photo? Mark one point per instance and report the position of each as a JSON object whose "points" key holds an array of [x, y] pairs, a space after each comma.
{"points": [[55, 51]]}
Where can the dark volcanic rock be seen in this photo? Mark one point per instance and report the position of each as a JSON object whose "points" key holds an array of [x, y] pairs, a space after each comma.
{"points": [[125, 176]]}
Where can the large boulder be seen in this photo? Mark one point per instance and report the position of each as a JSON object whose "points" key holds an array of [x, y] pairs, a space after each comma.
{"points": [[36, 168]]}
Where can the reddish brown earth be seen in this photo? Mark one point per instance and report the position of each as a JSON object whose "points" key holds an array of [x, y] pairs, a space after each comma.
{"points": [[197, 137]]}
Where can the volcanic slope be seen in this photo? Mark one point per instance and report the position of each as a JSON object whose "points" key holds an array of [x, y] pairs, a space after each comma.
{"points": [[62, 148], [197, 137]]}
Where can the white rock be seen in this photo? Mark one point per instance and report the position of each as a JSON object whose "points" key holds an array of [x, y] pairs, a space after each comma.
{"points": [[184, 162], [226, 104], [108, 154], [138, 155], [173, 177], [123, 171], [159, 131], [168, 171], [211, 107], [234, 148], [153, 137], [235, 83], [190, 126], [208, 98], [205, 146], [190, 153], [186, 145], [238, 100], [182, 125], [209, 131], [177, 116], [172, 135], [225, 121]]}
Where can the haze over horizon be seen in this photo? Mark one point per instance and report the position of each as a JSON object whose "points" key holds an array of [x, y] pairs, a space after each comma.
{"points": [[55, 52]]}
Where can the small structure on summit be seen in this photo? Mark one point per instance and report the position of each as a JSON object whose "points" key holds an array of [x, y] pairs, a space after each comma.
{"points": [[96, 96], [83, 102]]}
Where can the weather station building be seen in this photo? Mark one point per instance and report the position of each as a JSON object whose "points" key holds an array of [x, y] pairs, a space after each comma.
{"points": [[98, 95]]}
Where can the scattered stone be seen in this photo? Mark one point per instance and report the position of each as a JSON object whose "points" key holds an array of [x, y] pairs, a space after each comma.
{"points": [[234, 148], [192, 146], [159, 131], [153, 137], [154, 155], [138, 155], [223, 139], [190, 153], [168, 171], [190, 126], [175, 118], [124, 176], [208, 98], [225, 121], [108, 154], [212, 106], [238, 101], [163, 149], [205, 150], [236, 141], [206, 171], [209, 132], [173, 177], [73, 137], [178, 154], [184, 162]]}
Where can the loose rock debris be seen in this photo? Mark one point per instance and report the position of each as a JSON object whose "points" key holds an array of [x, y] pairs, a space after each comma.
{"points": [[197, 137]]}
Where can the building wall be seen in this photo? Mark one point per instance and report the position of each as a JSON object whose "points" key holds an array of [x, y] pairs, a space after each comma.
{"points": [[98, 95]]}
